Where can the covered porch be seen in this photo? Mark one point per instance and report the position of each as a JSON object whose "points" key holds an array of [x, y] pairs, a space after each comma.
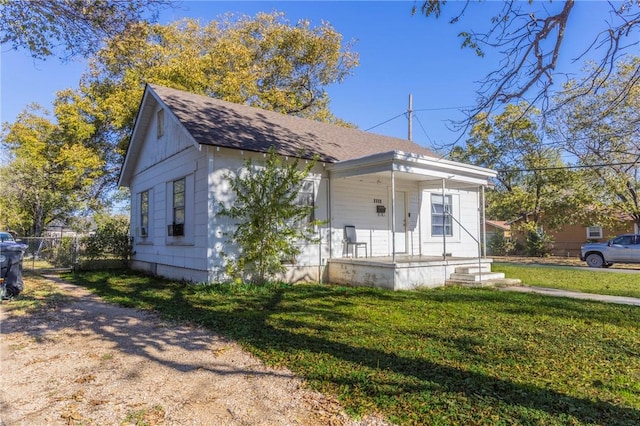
{"points": [[416, 220]]}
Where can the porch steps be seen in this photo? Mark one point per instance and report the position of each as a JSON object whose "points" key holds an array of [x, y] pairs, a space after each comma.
{"points": [[479, 276]]}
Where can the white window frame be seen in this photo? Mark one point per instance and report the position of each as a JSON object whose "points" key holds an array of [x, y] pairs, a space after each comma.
{"points": [[179, 206], [144, 213], [592, 228], [436, 217]]}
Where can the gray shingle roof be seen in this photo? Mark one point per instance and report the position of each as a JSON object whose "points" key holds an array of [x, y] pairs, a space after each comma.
{"points": [[225, 124]]}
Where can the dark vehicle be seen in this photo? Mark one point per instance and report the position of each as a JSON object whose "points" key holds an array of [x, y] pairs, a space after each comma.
{"points": [[621, 249], [11, 255]]}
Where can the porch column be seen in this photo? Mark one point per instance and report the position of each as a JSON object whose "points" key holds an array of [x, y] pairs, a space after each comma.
{"points": [[393, 216], [483, 223]]}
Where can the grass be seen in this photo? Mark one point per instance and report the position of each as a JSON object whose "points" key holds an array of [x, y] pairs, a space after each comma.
{"points": [[39, 293], [437, 357], [568, 278]]}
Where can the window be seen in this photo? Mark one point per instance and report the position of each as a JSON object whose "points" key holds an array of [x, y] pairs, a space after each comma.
{"points": [[178, 201], [306, 198], [160, 123], [594, 232], [441, 211], [623, 240], [177, 212], [144, 214]]}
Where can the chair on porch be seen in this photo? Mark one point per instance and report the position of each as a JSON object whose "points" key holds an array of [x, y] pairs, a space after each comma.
{"points": [[351, 239]]}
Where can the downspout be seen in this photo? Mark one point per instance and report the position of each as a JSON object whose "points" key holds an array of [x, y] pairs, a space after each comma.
{"points": [[329, 218], [444, 223], [330, 230], [393, 216]]}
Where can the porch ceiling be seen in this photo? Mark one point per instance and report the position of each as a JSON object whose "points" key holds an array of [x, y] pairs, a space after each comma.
{"points": [[411, 167]]}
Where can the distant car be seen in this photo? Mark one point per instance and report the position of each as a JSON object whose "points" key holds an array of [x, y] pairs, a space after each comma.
{"points": [[621, 249], [6, 237]]}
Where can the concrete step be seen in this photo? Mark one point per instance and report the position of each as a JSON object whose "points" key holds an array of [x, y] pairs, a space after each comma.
{"points": [[472, 269], [477, 276], [488, 283]]}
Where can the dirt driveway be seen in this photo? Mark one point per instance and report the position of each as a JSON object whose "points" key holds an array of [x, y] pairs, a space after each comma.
{"points": [[87, 362]]}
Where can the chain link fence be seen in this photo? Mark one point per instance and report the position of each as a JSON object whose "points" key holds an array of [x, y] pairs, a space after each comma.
{"points": [[69, 252]]}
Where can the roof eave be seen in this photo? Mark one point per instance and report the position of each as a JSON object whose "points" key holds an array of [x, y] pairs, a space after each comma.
{"points": [[413, 164]]}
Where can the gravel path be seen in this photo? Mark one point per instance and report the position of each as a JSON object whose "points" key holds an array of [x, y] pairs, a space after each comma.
{"points": [[93, 363]]}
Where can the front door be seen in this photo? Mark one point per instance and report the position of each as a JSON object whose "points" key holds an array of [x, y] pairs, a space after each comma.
{"points": [[401, 222]]}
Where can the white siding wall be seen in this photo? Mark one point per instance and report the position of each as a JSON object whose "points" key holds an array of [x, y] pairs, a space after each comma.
{"points": [[163, 160], [197, 256], [224, 161], [465, 210], [354, 202]]}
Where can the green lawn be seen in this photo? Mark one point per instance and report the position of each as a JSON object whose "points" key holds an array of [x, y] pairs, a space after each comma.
{"points": [[569, 278], [436, 357]]}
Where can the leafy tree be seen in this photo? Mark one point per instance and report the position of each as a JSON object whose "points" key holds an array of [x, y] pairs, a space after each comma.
{"points": [[47, 177], [270, 217], [601, 129], [111, 238], [73, 27], [529, 36], [532, 183], [264, 61]]}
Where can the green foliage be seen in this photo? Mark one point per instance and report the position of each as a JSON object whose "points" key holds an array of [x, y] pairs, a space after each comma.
{"points": [[111, 239], [600, 128], [531, 182], [498, 245], [75, 27], [446, 356], [264, 61], [49, 176], [270, 217], [538, 244], [66, 254]]}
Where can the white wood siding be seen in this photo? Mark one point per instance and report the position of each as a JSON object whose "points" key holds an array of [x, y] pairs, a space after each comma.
{"points": [[465, 210], [162, 161], [354, 202], [222, 162]]}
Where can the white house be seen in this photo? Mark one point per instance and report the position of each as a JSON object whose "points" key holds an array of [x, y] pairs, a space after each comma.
{"points": [[416, 216]]}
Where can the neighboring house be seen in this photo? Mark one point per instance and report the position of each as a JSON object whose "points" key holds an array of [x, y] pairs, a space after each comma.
{"points": [[495, 228], [567, 241], [396, 193]]}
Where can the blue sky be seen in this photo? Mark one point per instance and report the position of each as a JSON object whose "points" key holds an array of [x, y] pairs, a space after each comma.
{"points": [[400, 54]]}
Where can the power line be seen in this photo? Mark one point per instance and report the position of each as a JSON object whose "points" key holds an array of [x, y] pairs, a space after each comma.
{"points": [[416, 110], [581, 166], [385, 122], [423, 130]]}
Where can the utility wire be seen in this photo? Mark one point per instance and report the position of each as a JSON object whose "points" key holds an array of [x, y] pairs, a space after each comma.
{"points": [[416, 110], [423, 129], [582, 166], [385, 122]]}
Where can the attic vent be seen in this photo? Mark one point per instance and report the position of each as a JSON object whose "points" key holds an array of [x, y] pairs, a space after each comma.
{"points": [[160, 123]]}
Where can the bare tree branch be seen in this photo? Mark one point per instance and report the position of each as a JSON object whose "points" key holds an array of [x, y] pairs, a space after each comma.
{"points": [[529, 37]]}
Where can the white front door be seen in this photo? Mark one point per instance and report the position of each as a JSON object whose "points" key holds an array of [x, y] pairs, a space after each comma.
{"points": [[400, 234]]}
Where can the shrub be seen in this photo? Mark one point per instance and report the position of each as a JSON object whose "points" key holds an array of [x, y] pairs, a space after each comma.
{"points": [[111, 239], [66, 255], [500, 246], [538, 244]]}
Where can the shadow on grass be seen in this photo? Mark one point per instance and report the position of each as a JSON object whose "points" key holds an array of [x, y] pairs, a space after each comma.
{"points": [[253, 320], [135, 332]]}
